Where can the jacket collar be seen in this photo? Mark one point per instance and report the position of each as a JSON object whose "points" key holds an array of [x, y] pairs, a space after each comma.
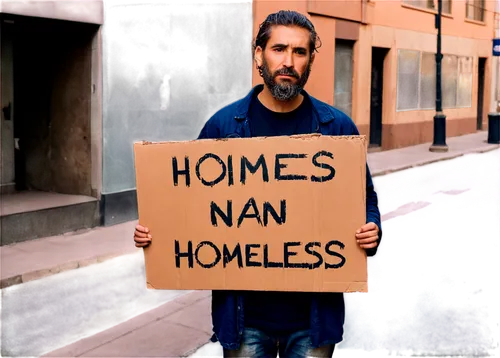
{"points": [[324, 112]]}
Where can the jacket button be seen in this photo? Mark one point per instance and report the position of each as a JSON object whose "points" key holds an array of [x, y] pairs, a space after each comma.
{"points": [[239, 308]]}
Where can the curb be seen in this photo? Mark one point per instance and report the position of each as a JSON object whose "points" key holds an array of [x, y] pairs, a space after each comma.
{"points": [[38, 274], [431, 161]]}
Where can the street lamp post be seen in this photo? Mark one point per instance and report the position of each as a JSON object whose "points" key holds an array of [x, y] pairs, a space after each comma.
{"points": [[439, 142]]}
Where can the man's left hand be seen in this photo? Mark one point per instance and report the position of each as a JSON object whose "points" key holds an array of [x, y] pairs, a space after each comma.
{"points": [[367, 236]]}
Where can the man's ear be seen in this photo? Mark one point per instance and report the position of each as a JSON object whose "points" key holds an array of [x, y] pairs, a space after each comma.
{"points": [[313, 56], [258, 56]]}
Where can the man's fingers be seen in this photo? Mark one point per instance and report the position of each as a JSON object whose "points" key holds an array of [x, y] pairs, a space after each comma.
{"points": [[367, 227], [369, 246], [367, 234], [141, 228], [141, 234], [142, 242], [368, 240], [142, 239]]}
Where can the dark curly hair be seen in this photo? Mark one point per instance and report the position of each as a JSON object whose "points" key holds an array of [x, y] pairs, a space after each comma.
{"points": [[286, 18]]}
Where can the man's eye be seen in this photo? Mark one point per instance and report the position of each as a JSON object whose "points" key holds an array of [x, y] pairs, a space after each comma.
{"points": [[278, 49]]}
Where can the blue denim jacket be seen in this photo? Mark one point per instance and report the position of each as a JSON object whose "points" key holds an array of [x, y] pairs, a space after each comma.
{"points": [[327, 310]]}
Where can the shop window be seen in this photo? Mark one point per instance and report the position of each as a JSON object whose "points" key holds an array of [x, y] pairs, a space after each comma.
{"points": [[449, 81], [343, 76], [464, 91], [428, 81], [408, 78], [417, 81]]}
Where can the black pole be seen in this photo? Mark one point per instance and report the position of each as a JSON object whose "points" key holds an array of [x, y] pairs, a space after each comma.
{"points": [[439, 142]]}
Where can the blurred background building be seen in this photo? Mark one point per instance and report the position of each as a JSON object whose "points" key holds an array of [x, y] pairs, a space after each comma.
{"points": [[377, 63], [81, 80]]}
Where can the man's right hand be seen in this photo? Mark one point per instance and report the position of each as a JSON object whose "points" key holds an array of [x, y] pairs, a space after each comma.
{"points": [[142, 236]]}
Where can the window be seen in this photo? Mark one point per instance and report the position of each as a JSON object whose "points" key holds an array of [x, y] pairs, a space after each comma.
{"points": [[408, 78], [449, 81], [430, 4], [446, 7], [475, 10], [464, 91], [427, 4], [343, 75], [417, 81], [428, 81]]}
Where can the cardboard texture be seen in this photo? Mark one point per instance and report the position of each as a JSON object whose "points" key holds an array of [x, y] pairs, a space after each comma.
{"points": [[276, 213]]}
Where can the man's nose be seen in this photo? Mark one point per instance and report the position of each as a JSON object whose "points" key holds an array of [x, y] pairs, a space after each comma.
{"points": [[288, 60]]}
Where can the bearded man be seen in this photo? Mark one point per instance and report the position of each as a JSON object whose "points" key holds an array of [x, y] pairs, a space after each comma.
{"points": [[293, 324]]}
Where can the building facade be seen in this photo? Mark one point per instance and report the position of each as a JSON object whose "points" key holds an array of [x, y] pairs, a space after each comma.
{"points": [[377, 63]]}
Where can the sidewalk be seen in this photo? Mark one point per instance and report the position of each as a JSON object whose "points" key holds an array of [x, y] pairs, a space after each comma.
{"points": [[399, 159], [175, 329], [183, 325], [34, 259]]}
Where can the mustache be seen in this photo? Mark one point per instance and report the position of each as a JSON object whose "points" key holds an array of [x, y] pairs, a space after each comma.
{"points": [[286, 72]]}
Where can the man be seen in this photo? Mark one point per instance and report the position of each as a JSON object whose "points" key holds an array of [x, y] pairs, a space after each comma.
{"points": [[295, 324]]}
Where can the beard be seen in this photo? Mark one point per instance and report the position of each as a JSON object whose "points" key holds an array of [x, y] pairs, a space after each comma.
{"points": [[285, 90]]}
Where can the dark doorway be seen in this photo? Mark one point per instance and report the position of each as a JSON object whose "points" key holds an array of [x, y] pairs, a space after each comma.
{"points": [[52, 92], [480, 92], [377, 91]]}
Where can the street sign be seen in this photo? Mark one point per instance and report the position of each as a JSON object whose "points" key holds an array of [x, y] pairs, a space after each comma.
{"points": [[496, 47]]}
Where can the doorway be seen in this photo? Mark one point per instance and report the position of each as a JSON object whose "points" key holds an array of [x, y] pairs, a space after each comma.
{"points": [[52, 104], [376, 98], [480, 92], [7, 144]]}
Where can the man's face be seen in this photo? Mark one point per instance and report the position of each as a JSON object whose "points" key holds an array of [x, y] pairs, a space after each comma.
{"points": [[286, 61]]}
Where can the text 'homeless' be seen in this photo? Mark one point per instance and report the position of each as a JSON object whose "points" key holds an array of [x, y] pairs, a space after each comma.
{"points": [[257, 255]]}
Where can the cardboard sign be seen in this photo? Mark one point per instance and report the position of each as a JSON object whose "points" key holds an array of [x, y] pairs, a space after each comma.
{"points": [[275, 213]]}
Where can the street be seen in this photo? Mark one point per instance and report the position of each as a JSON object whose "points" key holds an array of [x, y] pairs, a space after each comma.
{"points": [[42, 315], [421, 196], [433, 285]]}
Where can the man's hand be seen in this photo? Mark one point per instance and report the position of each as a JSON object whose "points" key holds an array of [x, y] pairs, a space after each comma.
{"points": [[142, 237], [367, 236]]}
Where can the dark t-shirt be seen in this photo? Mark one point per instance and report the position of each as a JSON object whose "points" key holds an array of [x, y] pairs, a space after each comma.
{"points": [[278, 312]]}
